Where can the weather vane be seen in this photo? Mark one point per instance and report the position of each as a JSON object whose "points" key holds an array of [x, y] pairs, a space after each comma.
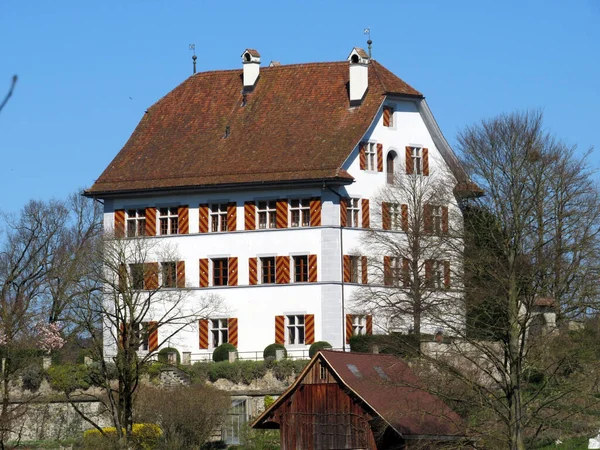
{"points": [[194, 58], [367, 31]]}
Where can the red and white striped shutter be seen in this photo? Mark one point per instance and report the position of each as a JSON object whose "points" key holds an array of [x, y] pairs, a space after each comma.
{"points": [[365, 273], [203, 218], [404, 211], [203, 333], [425, 161], [231, 216], [445, 227], [232, 325], [204, 272], [315, 212], [281, 213], [253, 271], [250, 215], [280, 330], [343, 212], [119, 223], [309, 329], [385, 215], [409, 161], [366, 222], [233, 271], [180, 274], [122, 336], [282, 269], [151, 276], [312, 268], [405, 272], [447, 274], [348, 328], [427, 225], [386, 116], [369, 327], [150, 222], [152, 336], [184, 219], [347, 269], [379, 157], [428, 271], [387, 271], [362, 155]]}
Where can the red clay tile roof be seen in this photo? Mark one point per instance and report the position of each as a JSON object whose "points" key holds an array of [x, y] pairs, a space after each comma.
{"points": [[296, 125]]}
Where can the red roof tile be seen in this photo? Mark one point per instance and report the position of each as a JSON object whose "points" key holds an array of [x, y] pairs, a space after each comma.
{"points": [[296, 125]]}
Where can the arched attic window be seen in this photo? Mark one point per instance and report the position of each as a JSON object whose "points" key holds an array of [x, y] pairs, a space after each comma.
{"points": [[390, 164]]}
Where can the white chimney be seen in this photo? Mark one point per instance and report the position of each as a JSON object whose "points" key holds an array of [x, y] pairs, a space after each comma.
{"points": [[359, 75], [251, 63]]}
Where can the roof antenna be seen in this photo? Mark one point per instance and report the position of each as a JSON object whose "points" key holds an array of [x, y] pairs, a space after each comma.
{"points": [[367, 31], [194, 58]]}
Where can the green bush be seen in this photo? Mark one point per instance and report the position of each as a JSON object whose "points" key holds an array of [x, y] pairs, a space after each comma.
{"points": [[163, 355], [199, 372], [403, 345], [268, 401], [221, 353], [252, 370], [224, 370], [270, 351], [32, 377], [68, 377], [145, 436], [319, 345]]}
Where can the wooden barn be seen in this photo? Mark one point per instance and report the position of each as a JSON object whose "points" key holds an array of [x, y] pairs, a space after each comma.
{"points": [[361, 401]]}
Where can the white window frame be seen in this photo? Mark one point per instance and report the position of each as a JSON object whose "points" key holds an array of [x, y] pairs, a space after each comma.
{"points": [[136, 222], [218, 217], [417, 159], [359, 324], [371, 155], [356, 269], [353, 213], [295, 329], [219, 331], [235, 419], [396, 270], [168, 220], [437, 274], [165, 267], [436, 219], [395, 211], [267, 210], [262, 269], [305, 258], [301, 208]]}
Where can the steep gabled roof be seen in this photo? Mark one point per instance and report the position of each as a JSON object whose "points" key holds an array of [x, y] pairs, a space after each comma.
{"points": [[296, 125], [390, 388]]}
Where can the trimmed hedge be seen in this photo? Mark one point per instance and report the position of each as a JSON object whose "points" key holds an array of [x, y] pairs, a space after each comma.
{"points": [[403, 345], [163, 358], [221, 353], [319, 345], [270, 351]]}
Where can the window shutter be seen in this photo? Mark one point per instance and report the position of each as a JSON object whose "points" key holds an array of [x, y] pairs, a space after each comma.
{"points": [[385, 215], [347, 268], [232, 268], [312, 268], [184, 220], [231, 216], [203, 333], [150, 276], [369, 327], [348, 327], [309, 329], [123, 278], [253, 271], [119, 223], [444, 219], [425, 161], [180, 274], [427, 219], [365, 275], [405, 272], [152, 336], [249, 215], [366, 223], [204, 272], [404, 212], [281, 214], [150, 221], [409, 161], [315, 212], [203, 218], [122, 338], [280, 330], [386, 116], [363, 156], [387, 271], [282, 270], [379, 157], [428, 272], [447, 274], [232, 326], [343, 212]]}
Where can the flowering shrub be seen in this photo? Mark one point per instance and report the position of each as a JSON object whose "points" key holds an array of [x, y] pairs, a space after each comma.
{"points": [[48, 336], [145, 436]]}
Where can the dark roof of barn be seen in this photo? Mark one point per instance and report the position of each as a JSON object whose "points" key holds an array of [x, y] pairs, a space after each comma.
{"points": [[295, 125], [392, 390]]}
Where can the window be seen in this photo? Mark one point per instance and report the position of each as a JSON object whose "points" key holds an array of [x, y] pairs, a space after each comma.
{"points": [[416, 160], [218, 217], [359, 324], [301, 269], [388, 116], [142, 334], [267, 267], [267, 215], [437, 280], [219, 329], [437, 274], [322, 371], [234, 422], [390, 161], [169, 274], [168, 218], [395, 271], [300, 211], [395, 216], [371, 154], [295, 329], [436, 218], [136, 222], [356, 269], [220, 272], [352, 213], [137, 276]]}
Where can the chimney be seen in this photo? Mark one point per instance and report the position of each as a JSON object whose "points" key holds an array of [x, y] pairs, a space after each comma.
{"points": [[359, 75], [251, 63]]}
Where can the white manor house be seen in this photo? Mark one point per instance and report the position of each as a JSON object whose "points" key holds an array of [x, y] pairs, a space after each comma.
{"points": [[263, 179]]}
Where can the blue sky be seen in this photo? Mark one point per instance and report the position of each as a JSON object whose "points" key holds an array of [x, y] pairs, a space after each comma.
{"points": [[88, 70]]}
